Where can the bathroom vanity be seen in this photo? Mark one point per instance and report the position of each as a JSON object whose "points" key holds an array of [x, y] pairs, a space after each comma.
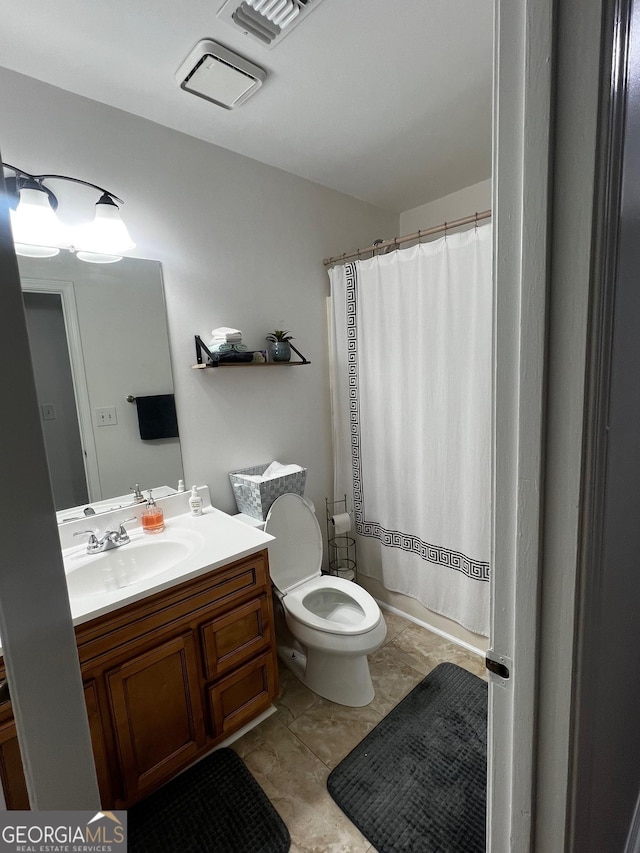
{"points": [[172, 665]]}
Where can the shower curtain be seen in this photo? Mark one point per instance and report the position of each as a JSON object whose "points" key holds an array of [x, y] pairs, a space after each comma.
{"points": [[411, 407]]}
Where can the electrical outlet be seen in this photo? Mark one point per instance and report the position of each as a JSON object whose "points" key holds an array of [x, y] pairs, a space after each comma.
{"points": [[48, 412], [106, 416]]}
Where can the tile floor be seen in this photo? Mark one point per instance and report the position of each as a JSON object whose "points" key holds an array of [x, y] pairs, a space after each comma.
{"points": [[292, 752]]}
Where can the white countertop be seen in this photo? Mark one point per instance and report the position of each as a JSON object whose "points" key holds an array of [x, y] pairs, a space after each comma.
{"points": [[214, 538], [217, 539]]}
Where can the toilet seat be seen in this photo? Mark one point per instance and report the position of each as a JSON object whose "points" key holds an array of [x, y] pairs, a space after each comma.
{"points": [[296, 554], [295, 562], [293, 601]]}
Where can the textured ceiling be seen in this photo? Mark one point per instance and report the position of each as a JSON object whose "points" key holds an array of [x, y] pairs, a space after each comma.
{"points": [[387, 101]]}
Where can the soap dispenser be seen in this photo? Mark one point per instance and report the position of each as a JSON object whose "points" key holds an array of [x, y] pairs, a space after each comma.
{"points": [[195, 501], [152, 516]]}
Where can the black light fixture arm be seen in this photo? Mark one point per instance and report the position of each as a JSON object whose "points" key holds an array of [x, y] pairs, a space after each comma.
{"points": [[26, 177]]}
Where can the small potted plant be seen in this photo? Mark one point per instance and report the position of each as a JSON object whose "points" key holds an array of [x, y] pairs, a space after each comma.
{"points": [[280, 349]]}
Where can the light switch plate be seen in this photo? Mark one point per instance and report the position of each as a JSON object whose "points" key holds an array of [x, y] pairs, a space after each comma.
{"points": [[106, 416]]}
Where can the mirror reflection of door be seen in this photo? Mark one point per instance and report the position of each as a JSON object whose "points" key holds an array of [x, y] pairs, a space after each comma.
{"points": [[56, 397], [117, 346]]}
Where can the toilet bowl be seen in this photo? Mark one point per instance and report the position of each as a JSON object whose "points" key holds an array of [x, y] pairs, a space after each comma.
{"points": [[325, 625]]}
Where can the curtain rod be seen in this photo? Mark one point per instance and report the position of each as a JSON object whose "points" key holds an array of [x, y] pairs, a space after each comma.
{"points": [[417, 235]]}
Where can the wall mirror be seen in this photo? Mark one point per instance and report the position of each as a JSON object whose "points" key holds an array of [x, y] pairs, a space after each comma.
{"points": [[98, 335]]}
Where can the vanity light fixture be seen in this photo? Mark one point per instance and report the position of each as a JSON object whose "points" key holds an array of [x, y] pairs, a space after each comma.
{"points": [[37, 231]]}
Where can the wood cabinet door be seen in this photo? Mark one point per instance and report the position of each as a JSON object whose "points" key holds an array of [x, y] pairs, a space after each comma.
{"points": [[96, 728], [11, 773], [242, 695], [235, 637], [157, 711]]}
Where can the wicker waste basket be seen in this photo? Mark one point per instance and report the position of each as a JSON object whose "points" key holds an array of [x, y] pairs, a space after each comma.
{"points": [[255, 498]]}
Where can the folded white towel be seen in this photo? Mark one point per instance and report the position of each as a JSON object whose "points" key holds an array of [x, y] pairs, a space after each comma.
{"points": [[226, 334]]}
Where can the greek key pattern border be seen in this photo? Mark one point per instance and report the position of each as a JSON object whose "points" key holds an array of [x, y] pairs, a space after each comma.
{"points": [[474, 569]]}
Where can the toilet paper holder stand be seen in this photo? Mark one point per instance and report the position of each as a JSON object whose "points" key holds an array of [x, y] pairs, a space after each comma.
{"points": [[341, 549]]}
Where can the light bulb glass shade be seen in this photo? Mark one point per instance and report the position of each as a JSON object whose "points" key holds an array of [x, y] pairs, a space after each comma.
{"points": [[34, 223], [27, 251], [96, 258], [107, 234]]}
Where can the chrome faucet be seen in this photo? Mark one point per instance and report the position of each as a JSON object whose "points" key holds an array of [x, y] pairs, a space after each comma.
{"points": [[110, 538], [138, 497]]}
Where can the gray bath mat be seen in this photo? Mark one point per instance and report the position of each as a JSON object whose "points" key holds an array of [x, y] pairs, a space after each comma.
{"points": [[417, 782], [216, 805]]}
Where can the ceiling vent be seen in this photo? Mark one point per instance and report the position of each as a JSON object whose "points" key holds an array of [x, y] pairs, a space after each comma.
{"points": [[266, 21], [218, 75]]}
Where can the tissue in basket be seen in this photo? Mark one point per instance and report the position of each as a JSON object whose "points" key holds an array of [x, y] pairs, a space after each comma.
{"points": [[254, 497]]}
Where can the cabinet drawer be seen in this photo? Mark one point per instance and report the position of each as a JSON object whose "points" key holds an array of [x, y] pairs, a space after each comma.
{"points": [[186, 603], [236, 636], [239, 697]]}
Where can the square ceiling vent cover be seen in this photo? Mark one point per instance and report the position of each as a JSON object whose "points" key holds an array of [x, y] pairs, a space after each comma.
{"points": [[218, 75]]}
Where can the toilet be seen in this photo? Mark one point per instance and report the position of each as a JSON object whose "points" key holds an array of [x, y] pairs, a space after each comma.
{"points": [[325, 625]]}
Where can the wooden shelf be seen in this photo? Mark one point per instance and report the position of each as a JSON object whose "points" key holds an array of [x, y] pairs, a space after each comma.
{"points": [[253, 364], [202, 350]]}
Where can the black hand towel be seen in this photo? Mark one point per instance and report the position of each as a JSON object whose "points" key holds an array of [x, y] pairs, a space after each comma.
{"points": [[157, 416]]}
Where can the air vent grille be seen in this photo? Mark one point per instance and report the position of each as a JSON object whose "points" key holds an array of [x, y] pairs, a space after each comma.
{"points": [[266, 21]]}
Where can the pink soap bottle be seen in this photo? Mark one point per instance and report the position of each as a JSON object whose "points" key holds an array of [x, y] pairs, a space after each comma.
{"points": [[152, 517]]}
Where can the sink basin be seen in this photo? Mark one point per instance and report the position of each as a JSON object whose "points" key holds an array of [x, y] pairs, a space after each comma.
{"points": [[142, 558]]}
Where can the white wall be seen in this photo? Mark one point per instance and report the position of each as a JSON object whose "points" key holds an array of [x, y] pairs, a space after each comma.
{"points": [[241, 244], [465, 202]]}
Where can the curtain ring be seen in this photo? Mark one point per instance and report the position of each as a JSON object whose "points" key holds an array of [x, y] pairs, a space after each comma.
{"points": [[476, 220], [445, 230], [419, 236], [395, 243]]}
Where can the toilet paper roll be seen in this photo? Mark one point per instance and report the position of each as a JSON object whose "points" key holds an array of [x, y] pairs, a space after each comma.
{"points": [[341, 522], [346, 574]]}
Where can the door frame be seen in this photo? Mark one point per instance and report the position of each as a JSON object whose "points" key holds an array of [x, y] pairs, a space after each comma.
{"points": [[546, 137], [522, 138], [38, 640], [66, 291]]}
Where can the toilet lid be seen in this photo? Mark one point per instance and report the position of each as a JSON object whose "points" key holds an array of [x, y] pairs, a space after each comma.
{"points": [[296, 554]]}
